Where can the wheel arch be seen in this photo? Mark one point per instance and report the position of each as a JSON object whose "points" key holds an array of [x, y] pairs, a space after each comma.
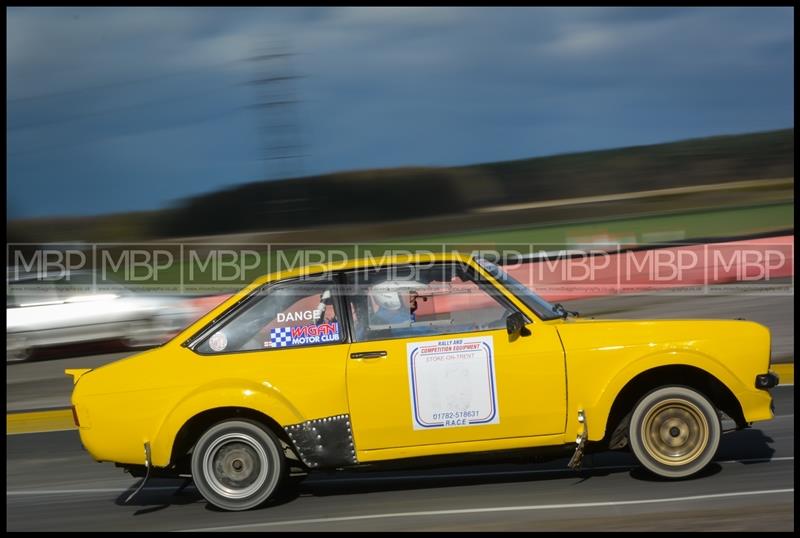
{"points": [[685, 375], [237, 397], [193, 428]]}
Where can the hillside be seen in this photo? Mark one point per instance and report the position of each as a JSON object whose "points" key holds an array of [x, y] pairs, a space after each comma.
{"points": [[375, 196]]}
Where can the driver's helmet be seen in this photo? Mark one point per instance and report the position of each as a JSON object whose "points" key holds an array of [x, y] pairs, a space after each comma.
{"points": [[387, 294]]}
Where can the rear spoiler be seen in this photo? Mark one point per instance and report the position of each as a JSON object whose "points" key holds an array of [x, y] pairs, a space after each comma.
{"points": [[76, 373]]}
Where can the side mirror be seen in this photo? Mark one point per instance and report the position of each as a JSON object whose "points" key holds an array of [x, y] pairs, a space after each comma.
{"points": [[515, 324]]}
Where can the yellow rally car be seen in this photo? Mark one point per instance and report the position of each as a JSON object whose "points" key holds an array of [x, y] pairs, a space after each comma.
{"points": [[414, 358]]}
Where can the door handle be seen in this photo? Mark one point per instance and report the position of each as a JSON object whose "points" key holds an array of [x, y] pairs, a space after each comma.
{"points": [[368, 355]]}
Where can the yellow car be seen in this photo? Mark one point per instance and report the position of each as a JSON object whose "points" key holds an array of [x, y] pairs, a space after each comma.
{"points": [[413, 358]]}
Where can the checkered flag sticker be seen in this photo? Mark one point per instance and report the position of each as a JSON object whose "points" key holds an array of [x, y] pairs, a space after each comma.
{"points": [[280, 337]]}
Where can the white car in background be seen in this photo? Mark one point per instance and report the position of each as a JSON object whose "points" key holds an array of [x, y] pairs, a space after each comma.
{"points": [[55, 310]]}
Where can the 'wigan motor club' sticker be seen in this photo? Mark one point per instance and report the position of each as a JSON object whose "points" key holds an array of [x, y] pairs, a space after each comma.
{"points": [[303, 335]]}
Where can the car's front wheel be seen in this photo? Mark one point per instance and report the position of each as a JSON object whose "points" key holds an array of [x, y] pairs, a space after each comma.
{"points": [[238, 465], [674, 431]]}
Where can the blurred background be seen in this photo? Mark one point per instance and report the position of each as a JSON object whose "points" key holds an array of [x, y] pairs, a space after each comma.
{"points": [[290, 127], [274, 129]]}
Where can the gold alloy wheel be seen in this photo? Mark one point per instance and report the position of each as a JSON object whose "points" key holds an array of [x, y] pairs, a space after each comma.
{"points": [[675, 432]]}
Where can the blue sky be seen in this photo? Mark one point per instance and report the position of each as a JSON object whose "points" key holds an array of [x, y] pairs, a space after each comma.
{"points": [[118, 109]]}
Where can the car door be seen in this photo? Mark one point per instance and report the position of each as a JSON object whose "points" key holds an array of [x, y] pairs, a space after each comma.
{"points": [[443, 368]]}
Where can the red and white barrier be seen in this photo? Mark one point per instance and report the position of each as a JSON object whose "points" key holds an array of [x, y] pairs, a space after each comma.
{"points": [[640, 271]]}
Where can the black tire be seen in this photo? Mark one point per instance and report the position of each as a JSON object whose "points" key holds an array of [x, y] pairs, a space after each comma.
{"points": [[674, 431], [238, 464]]}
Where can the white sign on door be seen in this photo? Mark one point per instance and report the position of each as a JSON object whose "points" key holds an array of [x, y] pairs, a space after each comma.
{"points": [[452, 383]]}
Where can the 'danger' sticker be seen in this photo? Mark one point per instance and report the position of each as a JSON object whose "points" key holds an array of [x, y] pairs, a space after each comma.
{"points": [[305, 315], [218, 342], [303, 335], [452, 383]]}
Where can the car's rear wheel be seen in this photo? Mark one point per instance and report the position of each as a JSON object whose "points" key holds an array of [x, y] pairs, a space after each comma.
{"points": [[674, 431], [238, 465]]}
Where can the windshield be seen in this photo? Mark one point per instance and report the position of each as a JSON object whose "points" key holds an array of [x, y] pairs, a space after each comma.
{"points": [[542, 308]]}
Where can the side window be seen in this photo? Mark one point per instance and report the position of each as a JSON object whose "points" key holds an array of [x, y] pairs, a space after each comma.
{"points": [[286, 315], [399, 302]]}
